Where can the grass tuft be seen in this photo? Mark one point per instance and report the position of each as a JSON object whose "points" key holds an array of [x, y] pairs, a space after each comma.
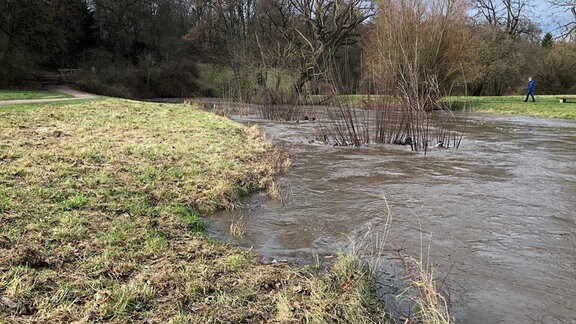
{"points": [[190, 219]]}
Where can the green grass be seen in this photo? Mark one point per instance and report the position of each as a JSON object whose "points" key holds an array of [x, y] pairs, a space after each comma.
{"points": [[545, 106], [30, 94], [55, 104], [101, 207]]}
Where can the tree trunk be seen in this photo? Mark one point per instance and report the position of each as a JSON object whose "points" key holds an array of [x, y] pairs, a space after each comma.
{"points": [[4, 44]]}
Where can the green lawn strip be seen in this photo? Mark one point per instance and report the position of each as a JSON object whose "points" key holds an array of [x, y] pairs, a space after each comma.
{"points": [[58, 103], [101, 207], [547, 106], [31, 94]]}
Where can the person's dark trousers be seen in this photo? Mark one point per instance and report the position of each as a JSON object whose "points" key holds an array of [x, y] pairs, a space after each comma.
{"points": [[530, 94]]}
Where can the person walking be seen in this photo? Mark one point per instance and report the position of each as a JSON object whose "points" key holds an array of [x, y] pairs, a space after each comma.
{"points": [[530, 90]]}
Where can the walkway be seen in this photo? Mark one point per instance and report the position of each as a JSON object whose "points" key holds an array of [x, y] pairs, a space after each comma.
{"points": [[76, 95]]}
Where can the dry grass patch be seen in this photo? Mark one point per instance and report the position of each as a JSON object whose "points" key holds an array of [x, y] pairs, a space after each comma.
{"points": [[101, 208]]}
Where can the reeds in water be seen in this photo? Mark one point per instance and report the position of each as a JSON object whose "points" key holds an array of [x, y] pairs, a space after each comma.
{"points": [[411, 118], [385, 122], [279, 105]]}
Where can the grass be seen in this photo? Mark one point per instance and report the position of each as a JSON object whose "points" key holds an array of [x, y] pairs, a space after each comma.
{"points": [[58, 103], [30, 94], [101, 206], [429, 306], [545, 106], [422, 299]]}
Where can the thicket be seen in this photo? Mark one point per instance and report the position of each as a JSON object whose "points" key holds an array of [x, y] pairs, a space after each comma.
{"points": [[271, 50]]}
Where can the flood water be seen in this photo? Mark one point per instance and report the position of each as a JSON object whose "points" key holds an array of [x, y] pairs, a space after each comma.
{"points": [[497, 215]]}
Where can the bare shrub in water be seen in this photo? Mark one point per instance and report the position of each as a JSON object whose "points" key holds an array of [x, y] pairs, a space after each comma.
{"points": [[401, 119], [416, 52], [279, 105], [237, 227], [345, 126]]}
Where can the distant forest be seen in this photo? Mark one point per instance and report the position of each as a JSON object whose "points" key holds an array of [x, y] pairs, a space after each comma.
{"points": [[249, 48]]}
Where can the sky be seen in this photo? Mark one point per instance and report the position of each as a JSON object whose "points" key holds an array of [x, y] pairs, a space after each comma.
{"points": [[549, 18]]}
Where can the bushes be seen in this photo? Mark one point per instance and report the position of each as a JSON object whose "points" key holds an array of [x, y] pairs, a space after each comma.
{"points": [[174, 80], [148, 77], [555, 72]]}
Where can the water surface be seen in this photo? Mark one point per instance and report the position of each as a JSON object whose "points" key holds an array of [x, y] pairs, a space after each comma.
{"points": [[497, 215]]}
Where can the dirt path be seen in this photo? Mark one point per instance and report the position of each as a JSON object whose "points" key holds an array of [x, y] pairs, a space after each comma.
{"points": [[76, 94]]}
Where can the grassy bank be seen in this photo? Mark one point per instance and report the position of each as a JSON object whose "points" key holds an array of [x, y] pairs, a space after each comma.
{"points": [[545, 106], [101, 207], [30, 94]]}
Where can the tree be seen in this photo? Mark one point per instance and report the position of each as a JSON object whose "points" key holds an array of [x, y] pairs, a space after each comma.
{"points": [[26, 37], [498, 62], [569, 28], [508, 15], [555, 69], [119, 23], [547, 41], [74, 34], [317, 30], [505, 45], [417, 45]]}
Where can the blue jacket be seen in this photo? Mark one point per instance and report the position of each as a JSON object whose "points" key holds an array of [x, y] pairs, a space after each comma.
{"points": [[531, 85]]}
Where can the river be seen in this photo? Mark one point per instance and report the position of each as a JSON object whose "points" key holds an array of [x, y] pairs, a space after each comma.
{"points": [[496, 216]]}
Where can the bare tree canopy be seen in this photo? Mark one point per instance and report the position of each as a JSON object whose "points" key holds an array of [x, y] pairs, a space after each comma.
{"points": [[252, 49], [569, 28], [318, 29], [414, 42], [512, 16]]}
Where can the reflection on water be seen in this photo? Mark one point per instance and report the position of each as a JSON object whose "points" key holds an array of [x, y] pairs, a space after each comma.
{"points": [[499, 213]]}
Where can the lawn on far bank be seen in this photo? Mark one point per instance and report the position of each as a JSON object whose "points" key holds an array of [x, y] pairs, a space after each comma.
{"points": [[547, 106], [101, 206], [30, 94]]}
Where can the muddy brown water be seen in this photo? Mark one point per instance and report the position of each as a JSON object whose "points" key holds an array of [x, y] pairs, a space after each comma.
{"points": [[497, 216]]}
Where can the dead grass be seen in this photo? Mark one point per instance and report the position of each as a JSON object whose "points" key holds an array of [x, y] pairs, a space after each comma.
{"points": [[420, 299], [431, 306], [101, 207]]}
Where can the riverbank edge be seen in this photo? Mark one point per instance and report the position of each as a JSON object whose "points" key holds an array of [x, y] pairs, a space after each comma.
{"points": [[88, 235]]}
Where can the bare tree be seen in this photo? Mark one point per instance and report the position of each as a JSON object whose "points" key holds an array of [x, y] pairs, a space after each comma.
{"points": [[498, 62], [569, 28], [508, 15], [318, 29], [416, 41]]}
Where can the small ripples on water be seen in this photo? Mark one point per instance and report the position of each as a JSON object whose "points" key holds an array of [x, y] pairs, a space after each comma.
{"points": [[499, 212]]}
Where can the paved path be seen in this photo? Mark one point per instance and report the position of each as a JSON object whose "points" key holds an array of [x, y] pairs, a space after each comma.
{"points": [[76, 94]]}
